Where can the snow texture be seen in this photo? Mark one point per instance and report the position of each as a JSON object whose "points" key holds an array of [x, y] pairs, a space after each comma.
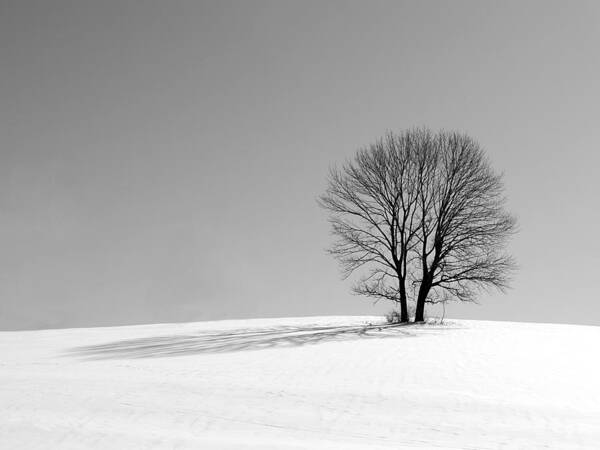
{"points": [[302, 383]]}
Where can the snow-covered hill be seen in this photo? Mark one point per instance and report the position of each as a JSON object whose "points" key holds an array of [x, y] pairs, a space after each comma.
{"points": [[303, 383]]}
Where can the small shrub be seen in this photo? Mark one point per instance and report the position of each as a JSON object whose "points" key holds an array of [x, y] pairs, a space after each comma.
{"points": [[393, 317]]}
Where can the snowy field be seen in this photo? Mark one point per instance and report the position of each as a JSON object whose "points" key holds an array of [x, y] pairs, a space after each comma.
{"points": [[303, 383]]}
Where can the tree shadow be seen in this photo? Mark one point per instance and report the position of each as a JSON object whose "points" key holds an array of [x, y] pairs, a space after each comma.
{"points": [[221, 341]]}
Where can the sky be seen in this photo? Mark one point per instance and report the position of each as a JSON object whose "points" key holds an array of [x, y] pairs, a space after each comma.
{"points": [[160, 161]]}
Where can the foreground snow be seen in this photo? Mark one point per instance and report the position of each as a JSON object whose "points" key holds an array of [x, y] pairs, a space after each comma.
{"points": [[305, 383]]}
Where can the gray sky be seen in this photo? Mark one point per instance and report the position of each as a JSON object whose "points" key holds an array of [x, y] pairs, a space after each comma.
{"points": [[160, 161]]}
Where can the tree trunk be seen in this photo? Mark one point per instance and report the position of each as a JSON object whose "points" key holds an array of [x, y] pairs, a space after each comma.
{"points": [[423, 293], [403, 310], [403, 304]]}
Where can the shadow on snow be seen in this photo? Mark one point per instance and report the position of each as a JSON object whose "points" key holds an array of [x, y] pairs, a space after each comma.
{"points": [[215, 341]]}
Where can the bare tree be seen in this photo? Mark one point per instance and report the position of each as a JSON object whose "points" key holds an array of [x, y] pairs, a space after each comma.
{"points": [[425, 213]]}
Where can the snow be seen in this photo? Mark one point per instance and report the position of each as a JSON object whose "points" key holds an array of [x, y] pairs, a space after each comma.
{"points": [[302, 383]]}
